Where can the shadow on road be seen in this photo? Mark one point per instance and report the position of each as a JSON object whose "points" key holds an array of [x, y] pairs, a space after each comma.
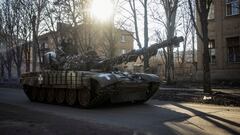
{"points": [[210, 118], [134, 119]]}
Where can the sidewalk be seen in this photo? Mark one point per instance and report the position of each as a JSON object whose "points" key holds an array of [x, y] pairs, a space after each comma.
{"points": [[225, 90], [227, 97]]}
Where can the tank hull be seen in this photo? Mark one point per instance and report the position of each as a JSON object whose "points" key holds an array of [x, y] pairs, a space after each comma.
{"points": [[88, 89]]}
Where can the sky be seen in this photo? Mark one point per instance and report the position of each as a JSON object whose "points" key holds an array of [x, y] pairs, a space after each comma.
{"points": [[153, 25]]}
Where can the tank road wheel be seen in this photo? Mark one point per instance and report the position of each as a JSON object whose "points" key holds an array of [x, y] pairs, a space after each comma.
{"points": [[50, 95], [34, 94], [60, 95], [84, 97], [71, 96], [41, 95]]}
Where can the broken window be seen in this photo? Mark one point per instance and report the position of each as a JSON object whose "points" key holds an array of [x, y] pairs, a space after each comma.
{"points": [[232, 7], [212, 51], [233, 45]]}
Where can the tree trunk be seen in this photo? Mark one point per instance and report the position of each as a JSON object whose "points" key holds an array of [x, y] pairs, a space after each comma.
{"points": [[172, 64], [146, 55], [18, 71], [166, 70], [202, 8], [34, 49], [27, 58], [170, 8], [193, 45], [184, 50], [39, 54], [2, 71], [27, 65], [9, 73], [111, 38], [168, 66], [8, 64], [178, 56], [206, 66]]}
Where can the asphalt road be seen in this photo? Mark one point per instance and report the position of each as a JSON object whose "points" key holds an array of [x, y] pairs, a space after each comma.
{"points": [[20, 116]]}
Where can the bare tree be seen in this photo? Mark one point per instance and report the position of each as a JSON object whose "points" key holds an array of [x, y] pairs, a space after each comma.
{"points": [[74, 13], [186, 28], [52, 18], [170, 9], [37, 9], [17, 48], [26, 33], [202, 9], [110, 38], [146, 38], [7, 60], [160, 37], [10, 32], [193, 44], [133, 12], [134, 18], [15, 29], [31, 24], [2, 69]]}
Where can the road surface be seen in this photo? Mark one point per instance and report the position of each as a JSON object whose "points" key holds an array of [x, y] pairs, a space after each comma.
{"points": [[20, 116]]}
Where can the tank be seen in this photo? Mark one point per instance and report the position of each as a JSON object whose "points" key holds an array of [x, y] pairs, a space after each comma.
{"points": [[91, 81]]}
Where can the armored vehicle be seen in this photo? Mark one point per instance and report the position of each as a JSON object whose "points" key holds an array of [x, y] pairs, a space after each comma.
{"points": [[86, 79]]}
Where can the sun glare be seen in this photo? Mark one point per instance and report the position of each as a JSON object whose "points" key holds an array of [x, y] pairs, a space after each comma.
{"points": [[101, 10]]}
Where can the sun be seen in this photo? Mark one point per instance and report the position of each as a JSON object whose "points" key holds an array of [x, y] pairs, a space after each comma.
{"points": [[101, 10]]}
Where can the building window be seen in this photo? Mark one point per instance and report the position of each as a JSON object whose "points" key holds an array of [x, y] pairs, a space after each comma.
{"points": [[123, 38], [123, 51], [233, 45], [211, 12], [232, 7], [212, 51]]}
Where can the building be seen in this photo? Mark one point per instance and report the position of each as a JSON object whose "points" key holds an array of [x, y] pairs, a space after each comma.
{"points": [[123, 40], [124, 43], [224, 44], [94, 36]]}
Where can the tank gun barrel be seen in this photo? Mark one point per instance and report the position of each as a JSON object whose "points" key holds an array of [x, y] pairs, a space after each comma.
{"points": [[134, 54]]}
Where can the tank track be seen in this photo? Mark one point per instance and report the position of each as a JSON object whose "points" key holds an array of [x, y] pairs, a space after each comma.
{"points": [[60, 96]]}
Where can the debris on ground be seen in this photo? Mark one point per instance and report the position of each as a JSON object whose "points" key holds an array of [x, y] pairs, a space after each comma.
{"points": [[218, 98]]}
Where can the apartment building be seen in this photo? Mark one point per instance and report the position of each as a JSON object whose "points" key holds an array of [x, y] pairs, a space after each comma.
{"points": [[224, 44], [96, 38]]}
